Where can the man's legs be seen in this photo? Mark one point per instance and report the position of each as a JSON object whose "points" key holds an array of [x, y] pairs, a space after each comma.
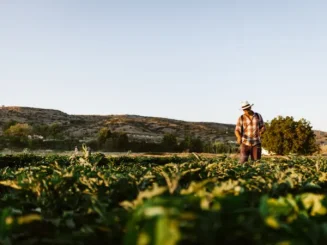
{"points": [[245, 152], [256, 152]]}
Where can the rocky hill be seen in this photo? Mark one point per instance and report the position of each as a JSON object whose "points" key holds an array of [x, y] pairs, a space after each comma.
{"points": [[150, 129], [321, 137], [86, 127]]}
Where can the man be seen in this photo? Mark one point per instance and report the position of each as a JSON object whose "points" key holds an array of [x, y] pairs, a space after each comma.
{"points": [[248, 130]]}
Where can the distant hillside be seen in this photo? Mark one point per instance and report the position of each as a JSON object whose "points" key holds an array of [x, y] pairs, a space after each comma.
{"points": [[137, 128], [151, 129], [321, 137]]}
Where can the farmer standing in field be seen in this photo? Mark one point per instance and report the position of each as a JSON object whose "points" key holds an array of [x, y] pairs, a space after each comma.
{"points": [[248, 130]]}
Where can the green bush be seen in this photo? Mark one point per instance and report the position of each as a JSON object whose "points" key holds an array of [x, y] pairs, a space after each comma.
{"points": [[284, 135]]}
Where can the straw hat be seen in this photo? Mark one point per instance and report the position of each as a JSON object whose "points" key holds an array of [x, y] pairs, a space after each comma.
{"points": [[246, 105]]}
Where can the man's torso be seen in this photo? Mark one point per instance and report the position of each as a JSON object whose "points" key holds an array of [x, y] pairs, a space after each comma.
{"points": [[251, 129]]}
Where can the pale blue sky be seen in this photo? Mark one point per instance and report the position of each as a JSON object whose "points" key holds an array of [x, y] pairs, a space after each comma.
{"points": [[181, 59]]}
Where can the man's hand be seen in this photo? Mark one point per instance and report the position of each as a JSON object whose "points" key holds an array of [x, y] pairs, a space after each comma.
{"points": [[238, 136]]}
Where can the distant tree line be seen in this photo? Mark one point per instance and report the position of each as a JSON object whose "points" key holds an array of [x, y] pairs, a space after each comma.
{"points": [[118, 141], [284, 135], [41, 136]]}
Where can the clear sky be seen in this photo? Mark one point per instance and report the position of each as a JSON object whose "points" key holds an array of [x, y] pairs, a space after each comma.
{"points": [[181, 59]]}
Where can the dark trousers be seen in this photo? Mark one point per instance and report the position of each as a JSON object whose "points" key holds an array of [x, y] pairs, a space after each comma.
{"points": [[253, 151]]}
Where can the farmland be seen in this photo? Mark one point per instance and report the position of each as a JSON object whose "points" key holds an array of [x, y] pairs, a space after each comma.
{"points": [[191, 199]]}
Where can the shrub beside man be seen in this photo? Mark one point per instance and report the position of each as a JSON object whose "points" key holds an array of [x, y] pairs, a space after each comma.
{"points": [[248, 130]]}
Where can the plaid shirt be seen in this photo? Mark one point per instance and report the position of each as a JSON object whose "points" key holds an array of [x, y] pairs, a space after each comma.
{"points": [[251, 134]]}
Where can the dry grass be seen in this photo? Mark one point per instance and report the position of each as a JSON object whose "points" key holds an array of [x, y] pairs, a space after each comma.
{"points": [[323, 149]]}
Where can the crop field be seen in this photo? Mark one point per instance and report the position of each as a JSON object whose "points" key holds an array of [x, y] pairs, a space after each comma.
{"points": [[56, 199]]}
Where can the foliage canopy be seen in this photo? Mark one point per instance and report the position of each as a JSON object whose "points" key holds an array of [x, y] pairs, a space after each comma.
{"points": [[284, 135]]}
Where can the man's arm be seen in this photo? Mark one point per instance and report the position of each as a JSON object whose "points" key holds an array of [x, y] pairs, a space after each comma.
{"points": [[238, 131], [238, 137], [262, 127]]}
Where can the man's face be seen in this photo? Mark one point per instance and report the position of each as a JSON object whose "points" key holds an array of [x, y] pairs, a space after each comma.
{"points": [[247, 111]]}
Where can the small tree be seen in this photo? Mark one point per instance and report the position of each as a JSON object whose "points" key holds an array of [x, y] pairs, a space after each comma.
{"points": [[186, 143], [220, 147], [196, 145], [18, 134], [41, 129], [190, 143], [169, 142], [285, 135], [56, 130], [103, 135], [120, 141], [18, 130]]}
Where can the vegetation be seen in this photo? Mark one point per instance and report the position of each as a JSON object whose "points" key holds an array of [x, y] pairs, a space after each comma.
{"points": [[103, 200], [18, 136], [39, 136], [117, 141], [87, 126], [284, 135]]}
